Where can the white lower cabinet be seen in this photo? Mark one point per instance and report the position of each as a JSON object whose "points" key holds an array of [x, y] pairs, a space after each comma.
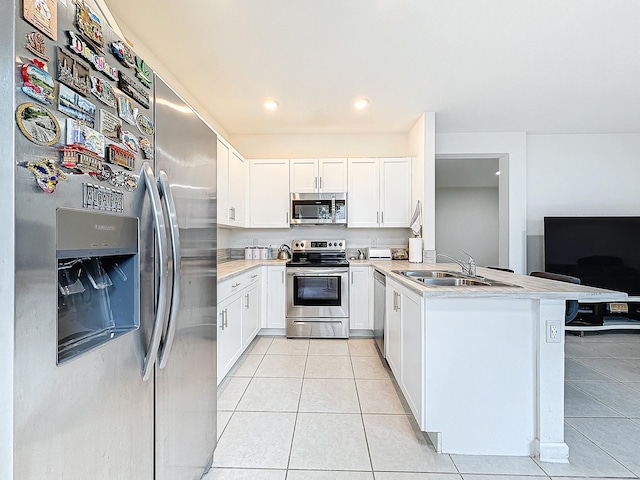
{"points": [[360, 288], [251, 314], [229, 343], [405, 344], [275, 297], [239, 309]]}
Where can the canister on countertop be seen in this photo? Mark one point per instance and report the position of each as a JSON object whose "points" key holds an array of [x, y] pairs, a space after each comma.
{"points": [[255, 253], [248, 253], [263, 253]]}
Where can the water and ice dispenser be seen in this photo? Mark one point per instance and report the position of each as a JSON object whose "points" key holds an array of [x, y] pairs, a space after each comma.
{"points": [[98, 279]]}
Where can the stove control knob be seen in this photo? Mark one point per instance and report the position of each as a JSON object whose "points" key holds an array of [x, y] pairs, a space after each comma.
{"points": [[302, 244], [330, 244], [340, 244]]}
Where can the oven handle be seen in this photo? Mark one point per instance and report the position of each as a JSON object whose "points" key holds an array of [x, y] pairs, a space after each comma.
{"points": [[315, 272]]}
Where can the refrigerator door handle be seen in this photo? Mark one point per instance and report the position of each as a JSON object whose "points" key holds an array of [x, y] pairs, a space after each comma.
{"points": [[174, 235], [146, 174]]}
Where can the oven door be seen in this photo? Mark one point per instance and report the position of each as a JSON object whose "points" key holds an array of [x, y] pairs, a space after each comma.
{"points": [[317, 292]]}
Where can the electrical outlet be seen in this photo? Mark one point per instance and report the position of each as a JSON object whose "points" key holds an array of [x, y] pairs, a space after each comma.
{"points": [[255, 241], [374, 242], [553, 331]]}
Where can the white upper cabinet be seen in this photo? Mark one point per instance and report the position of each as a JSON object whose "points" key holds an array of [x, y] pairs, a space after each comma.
{"points": [[232, 178], [379, 193], [325, 175], [269, 193]]}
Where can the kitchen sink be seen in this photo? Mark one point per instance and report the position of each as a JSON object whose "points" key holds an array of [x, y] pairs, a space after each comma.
{"points": [[443, 278], [428, 273]]}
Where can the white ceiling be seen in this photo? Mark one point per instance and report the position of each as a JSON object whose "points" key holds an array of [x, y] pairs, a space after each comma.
{"points": [[539, 66]]}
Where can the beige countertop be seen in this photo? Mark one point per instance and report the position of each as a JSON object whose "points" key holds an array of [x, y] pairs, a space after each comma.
{"points": [[525, 286], [231, 268]]}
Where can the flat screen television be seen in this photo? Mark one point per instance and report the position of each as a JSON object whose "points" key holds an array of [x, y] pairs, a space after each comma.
{"points": [[601, 251]]}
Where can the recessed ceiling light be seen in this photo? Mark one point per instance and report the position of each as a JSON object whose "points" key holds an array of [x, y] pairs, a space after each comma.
{"points": [[361, 103], [271, 104], [498, 172]]}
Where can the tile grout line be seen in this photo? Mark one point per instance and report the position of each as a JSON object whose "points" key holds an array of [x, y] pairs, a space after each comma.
{"points": [[295, 423]]}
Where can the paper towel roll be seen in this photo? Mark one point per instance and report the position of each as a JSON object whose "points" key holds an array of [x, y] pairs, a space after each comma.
{"points": [[415, 250]]}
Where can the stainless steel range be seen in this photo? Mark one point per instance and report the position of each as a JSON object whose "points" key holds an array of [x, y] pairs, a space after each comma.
{"points": [[318, 289]]}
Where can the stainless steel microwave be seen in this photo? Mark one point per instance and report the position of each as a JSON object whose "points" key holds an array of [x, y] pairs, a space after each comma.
{"points": [[319, 209]]}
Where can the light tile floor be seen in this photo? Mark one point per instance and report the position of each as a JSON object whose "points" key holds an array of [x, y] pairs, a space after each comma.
{"points": [[331, 410]]}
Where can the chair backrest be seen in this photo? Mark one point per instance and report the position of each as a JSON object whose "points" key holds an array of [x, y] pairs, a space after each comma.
{"points": [[556, 276]]}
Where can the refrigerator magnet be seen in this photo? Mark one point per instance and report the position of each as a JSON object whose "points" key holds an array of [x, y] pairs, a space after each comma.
{"points": [[145, 125], [89, 25], [103, 91], [38, 84], [37, 124], [47, 173], [147, 148], [123, 53], [36, 45], [42, 14], [143, 73], [110, 126], [74, 73], [130, 141], [120, 156], [76, 106], [126, 110], [79, 135]]}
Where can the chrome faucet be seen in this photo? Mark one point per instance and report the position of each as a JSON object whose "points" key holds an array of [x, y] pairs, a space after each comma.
{"points": [[468, 267]]}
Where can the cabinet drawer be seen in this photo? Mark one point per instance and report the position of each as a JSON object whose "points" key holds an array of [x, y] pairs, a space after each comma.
{"points": [[226, 288]]}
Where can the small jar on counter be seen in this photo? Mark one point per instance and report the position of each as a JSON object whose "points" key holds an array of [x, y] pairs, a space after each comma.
{"points": [[248, 253]]}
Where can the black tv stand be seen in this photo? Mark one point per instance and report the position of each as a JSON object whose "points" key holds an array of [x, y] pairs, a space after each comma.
{"points": [[606, 316]]}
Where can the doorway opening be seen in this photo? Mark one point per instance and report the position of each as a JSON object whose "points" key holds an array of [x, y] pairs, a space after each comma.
{"points": [[468, 201]]}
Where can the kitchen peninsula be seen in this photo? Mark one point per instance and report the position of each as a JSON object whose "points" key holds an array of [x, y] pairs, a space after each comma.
{"points": [[481, 367]]}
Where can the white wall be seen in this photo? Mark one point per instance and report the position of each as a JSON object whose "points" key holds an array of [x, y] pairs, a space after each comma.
{"points": [[579, 175], [511, 148], [467, 219]]}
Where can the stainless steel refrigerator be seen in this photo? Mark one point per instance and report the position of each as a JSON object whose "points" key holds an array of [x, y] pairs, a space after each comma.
{"points": [[108, 274]]}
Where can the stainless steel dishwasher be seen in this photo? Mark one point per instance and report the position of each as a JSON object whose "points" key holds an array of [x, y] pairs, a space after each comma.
{"points": [[380, 284]]}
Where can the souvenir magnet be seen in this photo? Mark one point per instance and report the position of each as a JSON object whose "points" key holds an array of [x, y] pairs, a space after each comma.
{"points": [[110, 126], [120, 156], [124, 179], [102, 198], [75, 106], [38, 124], [42, 14], [35, 44], [89, 25], [130, 141], [123, 53], [74, 73], [38, 83], [143, 73], [147, 148], [145, 125], [126, 110], [79, 135], [104, 172], [103, 91], [81, 160], [78, 46], [129, 86], [47, 173]]}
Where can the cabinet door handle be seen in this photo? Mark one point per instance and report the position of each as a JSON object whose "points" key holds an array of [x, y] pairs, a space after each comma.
{"points": [[254, 276], [226, 318], [321, 183], [246, 301], [315, 182], [377, 217], [381, 215], [222, 320], [282, 277], [236, 285], [351, 278], [287, 217]]}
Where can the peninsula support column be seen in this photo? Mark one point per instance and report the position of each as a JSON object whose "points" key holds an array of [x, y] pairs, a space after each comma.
{"points": [[551, 446]]}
